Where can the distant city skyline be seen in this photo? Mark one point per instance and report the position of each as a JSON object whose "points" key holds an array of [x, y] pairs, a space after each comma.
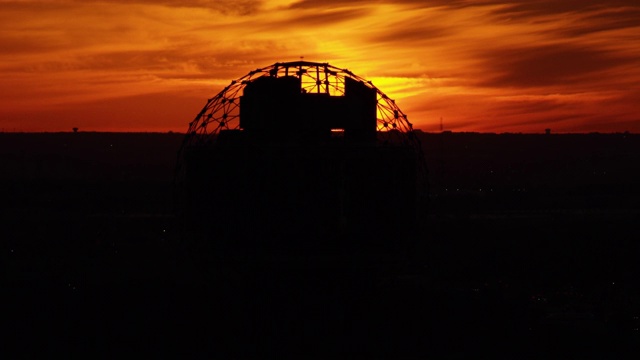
{"points": [[485, 66]]}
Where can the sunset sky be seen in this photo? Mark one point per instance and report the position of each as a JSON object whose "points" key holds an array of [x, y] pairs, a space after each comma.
{"points": [[482, 65]]}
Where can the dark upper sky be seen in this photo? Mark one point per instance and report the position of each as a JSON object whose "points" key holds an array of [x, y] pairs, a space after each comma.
{"points": [[483, 65]]}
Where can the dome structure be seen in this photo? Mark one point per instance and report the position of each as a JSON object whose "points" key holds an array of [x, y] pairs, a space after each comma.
{"points": [[300, 161], [312, 80]]}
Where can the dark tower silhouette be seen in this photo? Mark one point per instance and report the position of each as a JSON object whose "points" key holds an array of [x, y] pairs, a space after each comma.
{"points": [[304, 161]]}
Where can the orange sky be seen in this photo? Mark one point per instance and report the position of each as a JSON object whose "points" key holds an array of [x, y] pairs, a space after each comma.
{"points": [[481, 65]]}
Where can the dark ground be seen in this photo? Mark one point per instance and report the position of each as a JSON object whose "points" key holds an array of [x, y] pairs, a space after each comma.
{"points": [[529, 249]]}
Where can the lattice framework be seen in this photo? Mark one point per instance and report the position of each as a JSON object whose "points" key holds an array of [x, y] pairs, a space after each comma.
{"points": [[222, 112]]}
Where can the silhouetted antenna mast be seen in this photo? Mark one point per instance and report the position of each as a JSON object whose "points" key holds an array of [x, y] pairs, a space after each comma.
{"points": [[441, 125]]}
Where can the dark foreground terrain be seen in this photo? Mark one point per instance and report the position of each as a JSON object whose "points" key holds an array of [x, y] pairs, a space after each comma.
{"points": [[528, 248]]}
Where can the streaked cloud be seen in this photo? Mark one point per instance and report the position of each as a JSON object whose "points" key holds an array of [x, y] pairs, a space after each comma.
{"points": [[480, 65]]}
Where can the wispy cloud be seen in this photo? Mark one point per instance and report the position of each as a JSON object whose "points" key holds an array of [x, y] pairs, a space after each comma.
{"points": [[481, 65]]}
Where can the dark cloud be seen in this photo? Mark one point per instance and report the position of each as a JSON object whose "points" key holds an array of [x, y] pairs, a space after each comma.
{"points": [[547, 65], [533, 107], [146, 112], [178, 63], [331, 17], [236, 7], [227, 7], [319, 4], [9, 5], [314, 4], [411, 33], [546, 7], [522, 8], [603, 21], [16, 44]]}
